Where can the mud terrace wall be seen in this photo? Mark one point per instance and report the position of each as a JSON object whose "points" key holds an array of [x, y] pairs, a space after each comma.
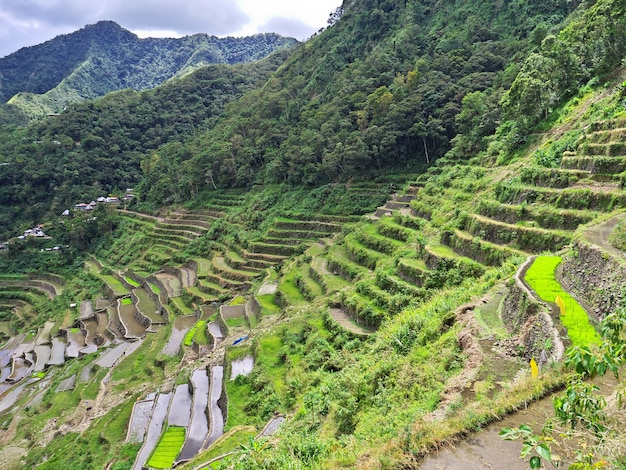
{"points": [[529, 319], [596, 277]]}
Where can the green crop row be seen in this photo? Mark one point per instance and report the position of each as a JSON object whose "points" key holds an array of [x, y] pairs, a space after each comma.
{"points": [[168, 448], [541, 277]]}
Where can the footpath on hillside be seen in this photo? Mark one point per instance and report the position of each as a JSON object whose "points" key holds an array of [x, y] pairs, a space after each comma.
{"points": [[599, 235]]}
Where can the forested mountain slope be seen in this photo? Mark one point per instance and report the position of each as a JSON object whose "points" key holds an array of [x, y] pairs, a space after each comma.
{"points": [[104, 57], [94, 148]]}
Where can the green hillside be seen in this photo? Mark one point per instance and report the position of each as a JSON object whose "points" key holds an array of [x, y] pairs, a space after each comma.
{"points": [[340, 264], [104, 57]]}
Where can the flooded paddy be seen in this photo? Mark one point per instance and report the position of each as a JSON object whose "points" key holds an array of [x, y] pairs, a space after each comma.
{"points": [[241, 366], [199, 426], [75, 342], [10, 398], [140, 420], [272, 426], [180, 328], [57, 353], [44, 334], [90, 326], [188, 276], [171, 283], [19, 370], [67, 384], [115, 325], [216, 332], [127, 317], [215, 412], [180, 410], [102, 336], [42, 355], [109, 357], [148, 305], [154, 429]]}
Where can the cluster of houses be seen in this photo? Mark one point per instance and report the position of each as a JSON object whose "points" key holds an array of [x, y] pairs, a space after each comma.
{"points": [[82, 206], [36, 231]]}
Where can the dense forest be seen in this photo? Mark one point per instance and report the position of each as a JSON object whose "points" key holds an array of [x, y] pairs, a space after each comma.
{"points": [[96, 148], [104, 57]]}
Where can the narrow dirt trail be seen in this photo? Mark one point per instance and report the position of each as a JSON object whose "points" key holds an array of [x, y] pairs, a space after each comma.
{"points": [[599, 235], [346, 322]]}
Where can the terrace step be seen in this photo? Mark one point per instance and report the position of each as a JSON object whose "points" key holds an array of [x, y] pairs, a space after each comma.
{"points": [[593, 198], [194, 226], [314, 226], [181, 236], [525, 238], [276, 250], [609, 165], [413, 270], [221, 267], [361, 254], [544, 216], [208, 287], [281, 241], [608, 149], [264, 257], [552, 177], [295, 234], [479, 250]]}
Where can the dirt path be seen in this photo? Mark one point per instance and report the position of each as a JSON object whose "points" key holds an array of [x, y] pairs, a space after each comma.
{"points": [[599, 235], [346, 322]]}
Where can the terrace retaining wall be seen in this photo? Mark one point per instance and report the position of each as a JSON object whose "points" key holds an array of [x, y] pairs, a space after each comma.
{"points": [[595, 276], [525, 315]]}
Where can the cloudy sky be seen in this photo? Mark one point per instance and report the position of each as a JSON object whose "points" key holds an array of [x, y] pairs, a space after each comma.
{"points": [[29, 22]]}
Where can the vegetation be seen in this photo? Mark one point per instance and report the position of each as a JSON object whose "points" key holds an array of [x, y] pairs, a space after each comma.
{"points": [[168, 448], [378, 187], [104, 57], [541, 277]]}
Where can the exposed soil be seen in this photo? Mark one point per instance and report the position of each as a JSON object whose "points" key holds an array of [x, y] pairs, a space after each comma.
{"points": [[346, 322], [599, 235]]}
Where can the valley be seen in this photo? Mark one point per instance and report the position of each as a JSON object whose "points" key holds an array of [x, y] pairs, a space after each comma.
{"points": [[377, 249]]}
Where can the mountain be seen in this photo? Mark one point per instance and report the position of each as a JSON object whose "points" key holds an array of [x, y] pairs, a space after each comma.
{"points": [[351, 254], [104, 57]]}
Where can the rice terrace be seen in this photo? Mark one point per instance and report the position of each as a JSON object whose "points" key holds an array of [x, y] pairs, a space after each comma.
{"points": [[400, 243]]}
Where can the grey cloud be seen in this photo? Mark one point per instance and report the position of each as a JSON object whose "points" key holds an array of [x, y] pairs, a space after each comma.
{"points": [[289, 27], [216, 17]]}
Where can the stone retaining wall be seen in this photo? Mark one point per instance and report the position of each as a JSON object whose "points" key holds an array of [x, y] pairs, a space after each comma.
{"points": [[596, 277]]}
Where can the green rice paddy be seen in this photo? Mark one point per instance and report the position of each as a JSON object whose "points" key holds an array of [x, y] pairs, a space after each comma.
{"points": [[541, 278], [168, 448]]}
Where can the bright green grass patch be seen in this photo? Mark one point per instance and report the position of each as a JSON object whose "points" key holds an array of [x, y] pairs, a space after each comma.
{"points": [[290, 290], [127, 301], [132, 282], [178, 303], [268, 304], [239, 300], [115, 284], [268, 359], [540, 276], [236, 322], [239, 392], [155, 289], [168, 448], [197, 333]]}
